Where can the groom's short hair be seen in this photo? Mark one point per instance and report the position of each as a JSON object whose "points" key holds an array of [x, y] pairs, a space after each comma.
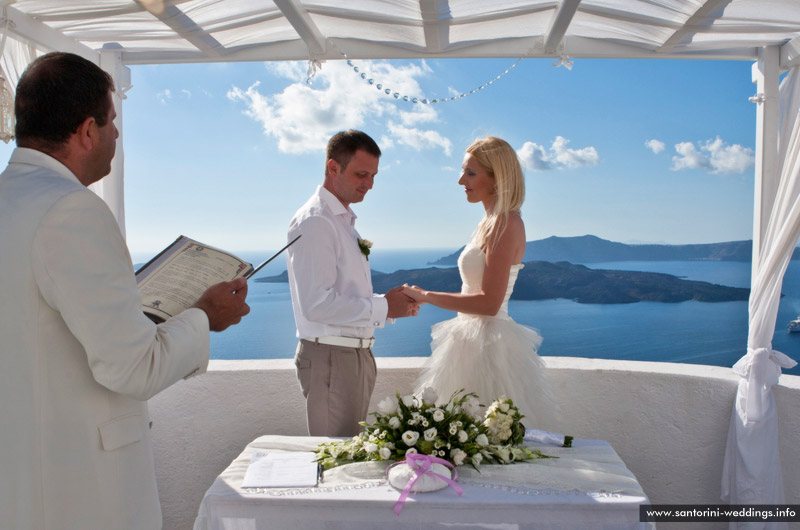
{"points": [[343, 145]]}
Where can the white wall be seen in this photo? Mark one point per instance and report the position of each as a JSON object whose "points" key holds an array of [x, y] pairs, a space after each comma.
{"points": [[667, 421]]}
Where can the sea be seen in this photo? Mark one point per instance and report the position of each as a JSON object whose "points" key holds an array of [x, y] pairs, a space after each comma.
{"points": [[686, 332]]}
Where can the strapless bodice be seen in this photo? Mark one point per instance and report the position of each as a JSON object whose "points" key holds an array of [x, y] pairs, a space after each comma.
{"points": [[471, 264]]}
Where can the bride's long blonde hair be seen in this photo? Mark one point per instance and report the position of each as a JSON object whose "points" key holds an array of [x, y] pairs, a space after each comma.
{"points": [[500, 160]]}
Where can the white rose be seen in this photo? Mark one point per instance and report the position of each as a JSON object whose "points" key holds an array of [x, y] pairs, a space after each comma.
{"points": [[504, 454], [389, 445], [388, 406], [410, 438], [438, 415], [472, 407], [411, 451], [429, 395], [394, 422], [458, 456], [481, 440], [370, 447], [408, 401], [477, 458], [385, 453], [462, 436], [504, 407], [430, 434]]}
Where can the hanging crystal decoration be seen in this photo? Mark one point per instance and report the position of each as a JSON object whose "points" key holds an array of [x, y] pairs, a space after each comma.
{"points": [[425, 101], [6, 112], [6, 95], [563, 60]]}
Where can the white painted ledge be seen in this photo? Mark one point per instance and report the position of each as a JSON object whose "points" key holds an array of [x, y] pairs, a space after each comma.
{"points": [[667, 421]]}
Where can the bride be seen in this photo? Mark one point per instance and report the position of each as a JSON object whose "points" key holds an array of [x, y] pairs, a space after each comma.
{"points": [[483, 350]]}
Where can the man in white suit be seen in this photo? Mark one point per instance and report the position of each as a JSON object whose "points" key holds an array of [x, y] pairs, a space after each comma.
{"points": [[78, 358]]}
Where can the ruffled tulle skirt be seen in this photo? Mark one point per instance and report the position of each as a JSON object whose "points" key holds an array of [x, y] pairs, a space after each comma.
{"points": [[492, 357]]}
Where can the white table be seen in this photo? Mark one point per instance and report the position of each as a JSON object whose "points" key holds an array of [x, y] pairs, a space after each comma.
{"points": [[542, 495]]}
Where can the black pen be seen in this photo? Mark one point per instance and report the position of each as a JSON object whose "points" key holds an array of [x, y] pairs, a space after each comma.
{"points": [[289, 244]]}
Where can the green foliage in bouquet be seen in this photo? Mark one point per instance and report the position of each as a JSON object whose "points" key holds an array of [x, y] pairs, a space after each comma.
{"points": [[455, 431]]}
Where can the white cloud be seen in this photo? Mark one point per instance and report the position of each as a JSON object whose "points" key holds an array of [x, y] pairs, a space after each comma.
{"points": [[385, 143], [302, 117], [418, 139], [533, 156], [186, 93], [558, 156], [164, 95], [714, 156], [655, 146]]}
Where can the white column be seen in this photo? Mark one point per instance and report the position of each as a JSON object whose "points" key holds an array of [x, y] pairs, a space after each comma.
{"points": [[765, 76], [112, 187]]}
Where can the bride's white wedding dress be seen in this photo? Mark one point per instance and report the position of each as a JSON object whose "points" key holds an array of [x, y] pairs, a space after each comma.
{"points": [[491, 356]]}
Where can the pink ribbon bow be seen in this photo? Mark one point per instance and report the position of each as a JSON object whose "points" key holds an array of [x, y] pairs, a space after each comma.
{"points": [[421, 464]]}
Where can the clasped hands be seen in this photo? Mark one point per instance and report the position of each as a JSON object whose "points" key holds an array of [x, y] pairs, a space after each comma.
{"points": [[404, 301], [401, 302]]}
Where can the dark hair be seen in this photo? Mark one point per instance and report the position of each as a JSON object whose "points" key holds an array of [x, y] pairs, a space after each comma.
{"points": [[343, 145], [55, 94]]}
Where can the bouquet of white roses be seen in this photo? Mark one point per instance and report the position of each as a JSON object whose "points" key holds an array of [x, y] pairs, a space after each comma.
{"points": [[455, 431]]}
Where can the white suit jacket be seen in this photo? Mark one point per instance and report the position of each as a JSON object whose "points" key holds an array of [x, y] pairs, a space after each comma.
{"points": [[78, 359]]}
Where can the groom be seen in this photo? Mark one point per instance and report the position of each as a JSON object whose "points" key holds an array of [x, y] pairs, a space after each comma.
{"points": [[335, 310]]}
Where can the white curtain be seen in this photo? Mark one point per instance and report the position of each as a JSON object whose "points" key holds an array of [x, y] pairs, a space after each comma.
{"points": [[15, 57], [752, 472]]}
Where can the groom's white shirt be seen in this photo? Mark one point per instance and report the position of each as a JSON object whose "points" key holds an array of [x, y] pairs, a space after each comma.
{"points": [[329, 277]]}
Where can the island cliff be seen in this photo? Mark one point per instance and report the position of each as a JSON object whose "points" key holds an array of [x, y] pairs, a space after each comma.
{"points": [[541, 280], [592, 249]]}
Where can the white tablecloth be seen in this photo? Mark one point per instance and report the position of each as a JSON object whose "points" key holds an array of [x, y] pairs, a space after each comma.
{"points": [[587, 487]]}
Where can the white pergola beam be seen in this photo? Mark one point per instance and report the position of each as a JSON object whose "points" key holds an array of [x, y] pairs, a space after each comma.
{"points": [[790, 54], [692, 24], [437, 35], [186, 28], [562, 18], [43, 37], [112, 187], [765, 76], [301, 21]]}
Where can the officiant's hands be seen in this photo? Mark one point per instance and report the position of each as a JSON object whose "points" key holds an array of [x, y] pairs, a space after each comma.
{"points": [[224, 304], [400, 304]]}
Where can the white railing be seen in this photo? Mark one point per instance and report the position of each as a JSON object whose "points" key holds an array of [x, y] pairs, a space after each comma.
{"points": [[667, 421]]}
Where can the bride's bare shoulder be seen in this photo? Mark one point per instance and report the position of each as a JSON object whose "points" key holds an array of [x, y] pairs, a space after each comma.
{"points": [[515, 228]]}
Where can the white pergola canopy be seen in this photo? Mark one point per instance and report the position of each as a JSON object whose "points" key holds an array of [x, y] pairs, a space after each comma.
{"points": [[117, 33], [168, 31]]}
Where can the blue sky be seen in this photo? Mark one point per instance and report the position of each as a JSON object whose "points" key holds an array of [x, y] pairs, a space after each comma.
{"points": [[632, 151]]}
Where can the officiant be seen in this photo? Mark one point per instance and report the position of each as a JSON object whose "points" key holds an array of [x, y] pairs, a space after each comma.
{"points": [[335, 310], [78, 358]]}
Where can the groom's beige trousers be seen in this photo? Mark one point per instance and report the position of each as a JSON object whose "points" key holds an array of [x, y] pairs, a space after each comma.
{"points": [[337, 383]]}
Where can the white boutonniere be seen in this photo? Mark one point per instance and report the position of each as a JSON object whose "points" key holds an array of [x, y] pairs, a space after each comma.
{"points": [[365, 245]]}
